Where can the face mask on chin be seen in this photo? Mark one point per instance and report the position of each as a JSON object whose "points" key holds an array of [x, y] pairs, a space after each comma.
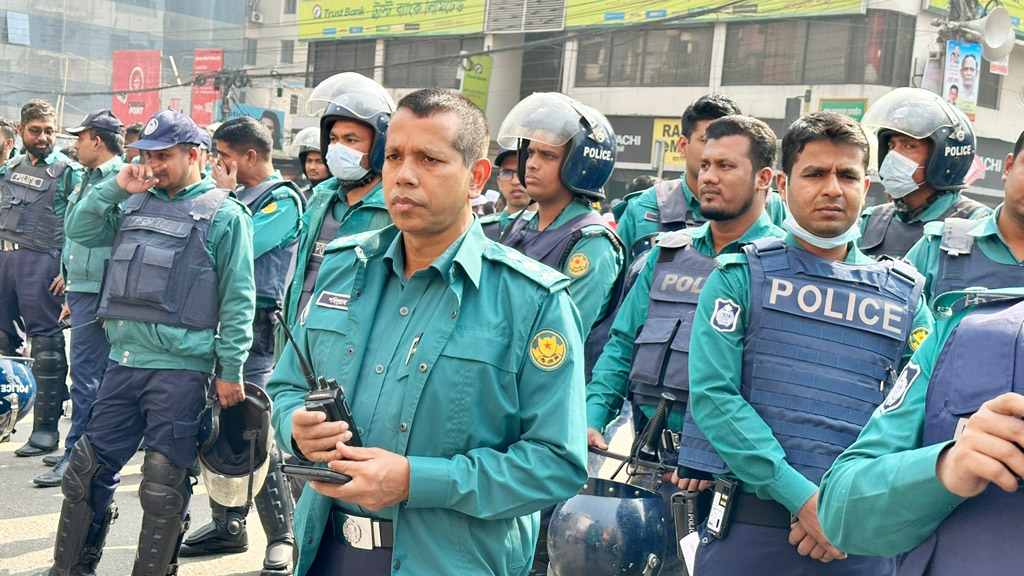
{"points": [[793, 227]]}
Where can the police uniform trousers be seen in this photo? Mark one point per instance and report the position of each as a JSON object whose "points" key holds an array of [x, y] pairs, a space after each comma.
{"points": [[89, 351], [159, 407], [754, 550], [334, 557], [259, 365], [25, 278]]}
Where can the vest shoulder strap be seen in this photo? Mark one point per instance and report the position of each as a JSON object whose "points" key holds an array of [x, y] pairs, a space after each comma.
{"points": [[677, 239], [955, 238]]}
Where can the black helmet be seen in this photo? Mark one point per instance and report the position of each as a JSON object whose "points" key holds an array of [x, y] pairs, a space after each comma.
{"points": [[608, 528], [353, 96], [234, 447]]}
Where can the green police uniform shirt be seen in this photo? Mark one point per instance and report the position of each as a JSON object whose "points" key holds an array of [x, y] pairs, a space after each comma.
{"points": [[930, 214], [134, 344], [926, 254], [610, 382], [82, 267], [882, 495], [366, 215], [69, 181], [592, 266], [731, 424], [472, 368], [275, 223]]}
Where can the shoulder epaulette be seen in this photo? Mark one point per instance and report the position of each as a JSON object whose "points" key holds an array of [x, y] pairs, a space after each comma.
{"points": [[730, 260], [540, 274]]}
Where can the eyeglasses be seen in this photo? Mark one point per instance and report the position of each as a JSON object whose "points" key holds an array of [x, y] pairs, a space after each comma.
{"points": [[506, 174], [37, 132]]}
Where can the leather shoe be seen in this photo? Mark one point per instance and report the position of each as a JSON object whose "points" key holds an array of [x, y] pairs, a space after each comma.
{"points": [[52, 460], [54, 477]]}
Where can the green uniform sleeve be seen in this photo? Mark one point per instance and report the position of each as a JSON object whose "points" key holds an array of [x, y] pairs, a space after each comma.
{"points": [[287, 389], [592, 268], [231, 238], [775, 208], [69, 182], [882, 497], [610, 379], [737, 432], [923, 325], [275, 227], [625, 226], [96, 218], [488, 484]]}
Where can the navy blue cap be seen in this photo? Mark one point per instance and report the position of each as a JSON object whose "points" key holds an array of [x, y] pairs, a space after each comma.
{"points": [[206, 143], [502, 154], [99, 120], [165, 129]]}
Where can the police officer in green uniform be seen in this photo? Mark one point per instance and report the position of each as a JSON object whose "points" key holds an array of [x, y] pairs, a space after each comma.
{"points": [[33, 200], [671, 204], [471, 418], [793, 342], [177, 306], [306, 147], [925, 149], [244, 164], [934, 478], [355, 114], [962, 253], [512, 191], [647, 351]]}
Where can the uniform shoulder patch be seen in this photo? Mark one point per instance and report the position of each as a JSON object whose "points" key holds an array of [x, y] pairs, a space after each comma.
{"points": [[917, 336], [269, 208], [726, 316], [548, 350], [900, 389], [577, 265]]}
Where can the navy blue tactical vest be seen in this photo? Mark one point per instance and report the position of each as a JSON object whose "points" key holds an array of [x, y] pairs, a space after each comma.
{"points": [[328, 233], [159, 269], [662, 349], [27, 215], [887, 234], [673, 214], [982, 358], [274, 269], [823, 339], [961, 266]]}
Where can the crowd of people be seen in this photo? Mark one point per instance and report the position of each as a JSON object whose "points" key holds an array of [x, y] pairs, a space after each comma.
{"points": [[833, 385]]}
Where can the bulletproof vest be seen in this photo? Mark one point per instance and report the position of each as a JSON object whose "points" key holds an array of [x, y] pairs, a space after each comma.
{"points": [[551, 246], [491, 226], [823, 340], [27, 215], [274, 269], [887, 234], [159, 269], [328, 233], [962, 266], [982, 358], [673, 214], [661, 350]]}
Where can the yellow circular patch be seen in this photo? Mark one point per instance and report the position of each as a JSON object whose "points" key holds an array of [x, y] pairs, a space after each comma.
{"points": [[918, 336], [578, 264], [269, 208], [548, 350]]}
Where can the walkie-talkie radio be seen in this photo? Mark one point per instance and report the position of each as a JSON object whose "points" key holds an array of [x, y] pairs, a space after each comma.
{"points": [[324, 394]]}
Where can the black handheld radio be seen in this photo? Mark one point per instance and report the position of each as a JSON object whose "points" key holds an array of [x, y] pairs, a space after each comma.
{"points": [[324, 394]]}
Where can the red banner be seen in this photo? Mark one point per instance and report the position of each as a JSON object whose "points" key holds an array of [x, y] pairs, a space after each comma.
{"points": [[136, 70], [207, 62]]}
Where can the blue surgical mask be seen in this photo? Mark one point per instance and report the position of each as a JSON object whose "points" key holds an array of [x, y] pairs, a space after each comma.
{"points": [[345, 163], [897, 174], [793, 227]]}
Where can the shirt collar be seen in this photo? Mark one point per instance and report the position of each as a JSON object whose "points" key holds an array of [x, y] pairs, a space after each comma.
{"points": [[203, 186], [691, 199], [465, 254], [112, 165], [853, 255], [704, 242], [988, 226]]}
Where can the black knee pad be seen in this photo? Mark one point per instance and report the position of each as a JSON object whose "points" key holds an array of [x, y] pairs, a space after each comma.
{"points": [[49, 354], [164, 489], [77, 484]]}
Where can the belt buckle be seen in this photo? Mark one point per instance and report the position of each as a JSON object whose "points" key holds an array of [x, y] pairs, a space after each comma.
{"points": [[358, 532]]}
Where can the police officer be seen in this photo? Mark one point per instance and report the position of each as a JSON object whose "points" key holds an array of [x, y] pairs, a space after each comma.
{"points": [[792, 343], [306, 147], [356, 112], [8, 134], [33, 200], [177, 306], [205, 152], [935, 475], [960, 253], [512, 191], [471, 417], [925, 149], [671, 204], [131, 134], [100, 145], [244, 158]]}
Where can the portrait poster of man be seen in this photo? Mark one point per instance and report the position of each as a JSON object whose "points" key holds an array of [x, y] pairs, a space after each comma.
{"points": [[962, 76]]}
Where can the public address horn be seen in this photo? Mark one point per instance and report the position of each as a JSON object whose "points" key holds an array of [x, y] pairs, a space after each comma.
{"points": [[994, 31]]}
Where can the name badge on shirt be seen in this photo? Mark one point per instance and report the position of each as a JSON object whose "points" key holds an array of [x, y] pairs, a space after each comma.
{"points": [[332, 300]]}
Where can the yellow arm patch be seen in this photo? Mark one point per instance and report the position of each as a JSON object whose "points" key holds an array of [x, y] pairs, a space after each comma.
{"points": [[578, 264], [548, 350], [917, 337], [269, 208]]}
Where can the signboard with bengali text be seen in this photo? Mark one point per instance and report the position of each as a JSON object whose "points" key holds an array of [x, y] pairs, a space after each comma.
{"points": [[580, 13], [331, 19]]}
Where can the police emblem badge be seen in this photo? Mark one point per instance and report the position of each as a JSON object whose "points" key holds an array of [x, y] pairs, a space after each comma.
{"points": [[918, 336], [269, 208], [548, 350], [578, 264], [902, 386], [726, 316], [151, 126]]}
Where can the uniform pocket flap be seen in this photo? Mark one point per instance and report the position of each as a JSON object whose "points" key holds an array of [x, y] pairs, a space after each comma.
{"points": [[161, 257], [657, 330], [125, 251]]}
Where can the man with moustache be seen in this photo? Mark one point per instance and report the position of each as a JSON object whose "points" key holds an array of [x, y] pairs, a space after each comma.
{"points": [[8, 134]]}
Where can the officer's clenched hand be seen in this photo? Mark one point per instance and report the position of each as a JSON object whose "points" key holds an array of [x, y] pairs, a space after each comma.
{"points": [[594, 438], [989, 451], [315, 437], [808, 537], [229, 393], [135, 178], [379, 478]]}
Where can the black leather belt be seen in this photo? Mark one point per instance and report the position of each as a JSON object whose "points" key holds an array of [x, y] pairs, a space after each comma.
{"points": [[361, 532], [752, 510]]}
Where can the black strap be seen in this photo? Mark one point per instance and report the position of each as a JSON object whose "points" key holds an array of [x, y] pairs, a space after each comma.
{"points": [[752, 510]]}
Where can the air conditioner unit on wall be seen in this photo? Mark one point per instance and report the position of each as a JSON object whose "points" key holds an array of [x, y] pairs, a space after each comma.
{"points": [[256, 17]]}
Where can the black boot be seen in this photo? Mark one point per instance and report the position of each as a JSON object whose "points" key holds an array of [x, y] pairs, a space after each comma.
{"points": [[93, 550], [224, 535], [274, 504], [51, 371]]}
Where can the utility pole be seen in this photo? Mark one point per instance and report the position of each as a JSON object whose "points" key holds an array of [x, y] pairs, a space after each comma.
{"points": [[226, 82]]}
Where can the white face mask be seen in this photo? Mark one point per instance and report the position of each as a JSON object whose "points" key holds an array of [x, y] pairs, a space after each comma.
{"points": [[345, 163], [897, 174], [793, 227]]}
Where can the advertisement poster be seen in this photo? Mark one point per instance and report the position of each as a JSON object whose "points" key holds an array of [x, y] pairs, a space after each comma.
{"points": [[852, 107], [611, 12], [669, 130], [137, 73], [962, 76], [324, 19], [477, 80], [207, 62], [272, 119]]}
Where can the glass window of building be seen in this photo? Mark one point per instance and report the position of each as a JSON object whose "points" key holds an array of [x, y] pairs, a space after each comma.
{"points": [[678, 56], [425, 62], [326, 59], [250, 51]]}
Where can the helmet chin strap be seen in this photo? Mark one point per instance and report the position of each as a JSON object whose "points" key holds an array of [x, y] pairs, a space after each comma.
{"points": [[361, 182]]}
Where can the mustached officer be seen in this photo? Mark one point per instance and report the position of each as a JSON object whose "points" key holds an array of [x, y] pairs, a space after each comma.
{"points": [[793, 343], [33, 201], [177, 305], [925, 149]]}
